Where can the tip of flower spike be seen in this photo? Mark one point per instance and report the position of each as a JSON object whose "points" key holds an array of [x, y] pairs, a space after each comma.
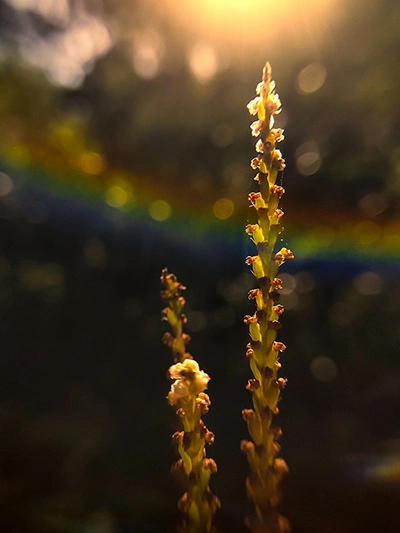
{"points": [[172, 286], [164, 273], [267, 71]]}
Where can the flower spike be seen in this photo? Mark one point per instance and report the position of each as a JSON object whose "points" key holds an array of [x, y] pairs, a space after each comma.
{"points": [[198, 504], [266, 469]]}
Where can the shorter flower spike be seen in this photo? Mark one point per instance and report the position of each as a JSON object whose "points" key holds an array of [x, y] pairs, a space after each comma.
{"points": [[189, 382]]}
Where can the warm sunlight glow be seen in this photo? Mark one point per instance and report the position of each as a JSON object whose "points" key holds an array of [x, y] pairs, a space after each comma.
{"points": [[68, 55], [261, 25], [148, 51], [203, 62]]}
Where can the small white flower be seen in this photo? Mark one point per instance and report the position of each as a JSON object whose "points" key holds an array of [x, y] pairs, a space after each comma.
{"points": [[271, 122], [175, 371], [183, 369], [191, 364], [260, 146], [201, 381], [273, 104], [179, 389], [253, 106], [256, 128], [189, 380], [277, 135]]}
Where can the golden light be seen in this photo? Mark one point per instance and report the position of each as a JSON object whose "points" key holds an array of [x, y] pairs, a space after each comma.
{"points": [[148, 51], [203, 62], [237, 27]]}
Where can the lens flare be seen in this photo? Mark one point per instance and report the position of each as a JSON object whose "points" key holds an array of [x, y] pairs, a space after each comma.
{"points": [[223, 208], [203, 62], [160, 210], [311, 78]]}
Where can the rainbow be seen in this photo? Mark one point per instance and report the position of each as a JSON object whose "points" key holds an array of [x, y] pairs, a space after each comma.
{"points": [[57, 172]]}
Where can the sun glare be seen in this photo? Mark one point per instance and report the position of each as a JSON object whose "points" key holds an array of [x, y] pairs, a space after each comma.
{"points": [[243, 24]]}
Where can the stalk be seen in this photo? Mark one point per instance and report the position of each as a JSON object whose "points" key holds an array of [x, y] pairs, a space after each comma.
{"points": [[266, 468], [198, 504]]}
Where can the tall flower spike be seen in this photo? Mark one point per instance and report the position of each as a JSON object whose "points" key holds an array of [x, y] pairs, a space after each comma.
{"points": [[266, 469], [198, 504]]}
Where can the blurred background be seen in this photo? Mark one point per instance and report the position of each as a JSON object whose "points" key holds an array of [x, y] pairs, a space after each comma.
{"points": [[124, 148]]}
